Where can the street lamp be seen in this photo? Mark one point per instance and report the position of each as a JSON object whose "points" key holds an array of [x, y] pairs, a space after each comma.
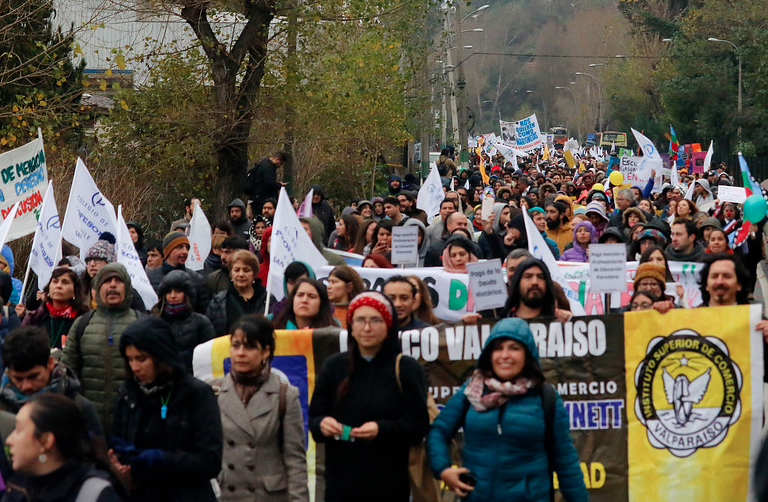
{"points": [[598, 123], [462, 83], [738, 54], [475, 12], [592, 65]]}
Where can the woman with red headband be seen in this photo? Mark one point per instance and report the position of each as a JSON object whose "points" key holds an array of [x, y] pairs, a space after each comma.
{"points": [[367, 413]]}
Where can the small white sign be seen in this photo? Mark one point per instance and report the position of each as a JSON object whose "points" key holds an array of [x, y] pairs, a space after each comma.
{"points": [[487, 208], [486, 283], [608, 268], [731, 194], [405, 245]]}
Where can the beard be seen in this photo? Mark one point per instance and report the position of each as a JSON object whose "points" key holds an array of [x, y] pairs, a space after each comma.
{"points": [[533, 298], [553, 224]]}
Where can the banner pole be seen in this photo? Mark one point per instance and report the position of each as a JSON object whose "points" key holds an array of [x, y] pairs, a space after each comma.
{"points": [[24, 284], [266, 304]]}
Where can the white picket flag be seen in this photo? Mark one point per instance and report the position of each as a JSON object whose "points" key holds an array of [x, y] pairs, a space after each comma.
{"points": [[46, 246], [289, 243], [305, 209], [708, 158], [537, 246], [5, 227], [651, 158], [129, 258], [674, 175], [89, 213], [199, 239], [431, 194]]}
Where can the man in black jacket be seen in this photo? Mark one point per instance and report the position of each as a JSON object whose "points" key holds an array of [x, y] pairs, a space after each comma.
{"points": [[175, 252], [261, 181]]}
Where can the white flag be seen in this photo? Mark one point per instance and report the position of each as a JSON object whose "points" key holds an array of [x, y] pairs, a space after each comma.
{"points": [[537, 246], [5, 227], [305, 209], [674, 175], [199, 239], [129, 258], [431, 194], [289, 243], [651, 158], [89, 213], [46, 246], [708, 158]]}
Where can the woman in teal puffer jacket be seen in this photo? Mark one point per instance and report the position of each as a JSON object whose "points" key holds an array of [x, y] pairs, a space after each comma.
{"points": [[501, 410]]}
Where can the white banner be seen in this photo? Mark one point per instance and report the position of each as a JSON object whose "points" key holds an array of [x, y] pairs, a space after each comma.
{"points": [[510, 153], [651, 158], [507, 131], [199, 239], [527, 134], [635, 175], [289, 243], [431, 194], [46, 246], [129, 258], [89, 213], [24, 177]]}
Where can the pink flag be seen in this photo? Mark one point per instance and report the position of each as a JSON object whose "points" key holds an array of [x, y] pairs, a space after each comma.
{"points": [[305, 209]]}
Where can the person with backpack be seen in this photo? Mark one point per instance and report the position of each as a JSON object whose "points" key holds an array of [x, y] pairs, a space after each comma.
{"points": [[167, 439], [55, 457], [91, 349], [516, 429], [264, 457], [369, 408]]}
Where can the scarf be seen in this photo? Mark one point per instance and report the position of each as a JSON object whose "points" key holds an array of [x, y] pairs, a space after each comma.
{"points": [[150, 389], [247, 386], [58, 383], [498, 392], [174, 309], [67, 312]]}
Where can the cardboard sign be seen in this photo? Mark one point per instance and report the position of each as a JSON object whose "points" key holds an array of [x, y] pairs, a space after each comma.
{"points": [[486, 284], [608, 267], [731, 194], [487, 209], [697, 163], [405, 245]]}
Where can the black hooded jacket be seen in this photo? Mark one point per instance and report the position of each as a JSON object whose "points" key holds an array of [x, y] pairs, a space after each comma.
{"points": [[186, 442], [548, 302], [323, 212]]}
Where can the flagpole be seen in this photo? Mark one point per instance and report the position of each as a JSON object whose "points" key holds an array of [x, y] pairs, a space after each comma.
{"points": [[24, 284], [266, 304]]}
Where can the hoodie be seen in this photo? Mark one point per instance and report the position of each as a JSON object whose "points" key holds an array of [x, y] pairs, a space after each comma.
{"points": [[323, 212], [16, 294], [318, 238], [395, 191], [241, 225], [413, 222], [577, 252]]}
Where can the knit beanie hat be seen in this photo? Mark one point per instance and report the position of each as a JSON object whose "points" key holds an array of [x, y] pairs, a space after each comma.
{"points": [[646, 270], [103, 249], [172, 240], [596, 207], [372, 299]]}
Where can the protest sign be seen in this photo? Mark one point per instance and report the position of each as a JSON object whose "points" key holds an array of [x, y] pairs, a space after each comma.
{"points": [[527, 134], [616, 400], [89, 213], [23, 178], [697, 162], [405, 245], [632, 169], [46, 245], [431, 194], [129, 258], [199, 239], [507, 131], [289, 243], [486, 284], [731, 194], [608, 268]]}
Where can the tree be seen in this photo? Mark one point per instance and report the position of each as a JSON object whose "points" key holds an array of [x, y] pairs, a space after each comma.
{"points": [[40, 86]]}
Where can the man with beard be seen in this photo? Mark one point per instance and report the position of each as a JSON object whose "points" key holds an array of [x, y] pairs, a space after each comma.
{"points": [[531, 293], [559, 229], [238, 219]]}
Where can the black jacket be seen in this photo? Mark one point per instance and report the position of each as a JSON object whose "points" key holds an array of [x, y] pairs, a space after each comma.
{"points": [[61, 485], [261, 181], [202, 294], [375, 470], [190, 436]]}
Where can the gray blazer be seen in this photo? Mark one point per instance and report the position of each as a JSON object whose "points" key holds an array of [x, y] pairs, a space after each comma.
{"points": [[253, 467]]}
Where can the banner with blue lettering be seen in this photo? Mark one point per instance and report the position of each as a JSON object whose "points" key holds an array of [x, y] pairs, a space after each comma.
{"points": [[24, 179], [527, 134]]}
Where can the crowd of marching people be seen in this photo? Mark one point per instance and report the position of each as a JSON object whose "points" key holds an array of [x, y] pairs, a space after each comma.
{"points": [[98, 400]]}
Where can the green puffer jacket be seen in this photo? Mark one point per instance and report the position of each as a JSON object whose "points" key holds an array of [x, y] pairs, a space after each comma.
{"points": [[95, 358]]}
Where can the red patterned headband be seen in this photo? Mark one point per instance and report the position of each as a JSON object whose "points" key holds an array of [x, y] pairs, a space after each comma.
{"points": [[371, 299]]}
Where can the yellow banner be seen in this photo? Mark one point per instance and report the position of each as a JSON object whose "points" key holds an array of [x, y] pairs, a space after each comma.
{"points": [[694, 403]]}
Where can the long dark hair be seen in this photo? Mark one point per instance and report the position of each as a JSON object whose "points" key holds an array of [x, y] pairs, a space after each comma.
{"points": [[350, 276], [351, 232], [77, 301], [361, 242], [646, 257], [387, 225], [391, 346], [59, 415], [324, 315]]}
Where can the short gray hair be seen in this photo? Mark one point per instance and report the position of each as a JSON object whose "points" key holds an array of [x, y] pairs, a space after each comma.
{"points": [[627, 193]]}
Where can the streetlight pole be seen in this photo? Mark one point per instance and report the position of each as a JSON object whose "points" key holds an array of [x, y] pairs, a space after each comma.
{"points": [[462, 83], [738, 54], [598, 122]]}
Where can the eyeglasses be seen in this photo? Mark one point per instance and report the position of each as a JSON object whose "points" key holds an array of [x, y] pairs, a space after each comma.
{"points": [[374, 322], [642, 305]]}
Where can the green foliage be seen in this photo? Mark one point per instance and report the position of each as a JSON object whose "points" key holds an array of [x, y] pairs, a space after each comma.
{"points": [[39, 84]]}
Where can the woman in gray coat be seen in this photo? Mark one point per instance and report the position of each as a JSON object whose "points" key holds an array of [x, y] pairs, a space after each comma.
{"points": [[262, 421]]}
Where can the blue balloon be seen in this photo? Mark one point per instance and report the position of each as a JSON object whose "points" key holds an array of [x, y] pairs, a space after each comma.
{"points": [[755, 208]]}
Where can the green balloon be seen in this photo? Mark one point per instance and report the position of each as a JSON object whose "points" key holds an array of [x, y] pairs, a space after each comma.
{"points": [[755, 208]]}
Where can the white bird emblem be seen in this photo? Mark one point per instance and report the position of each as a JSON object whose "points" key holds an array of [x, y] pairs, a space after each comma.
{"points": [[682, 393]]}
